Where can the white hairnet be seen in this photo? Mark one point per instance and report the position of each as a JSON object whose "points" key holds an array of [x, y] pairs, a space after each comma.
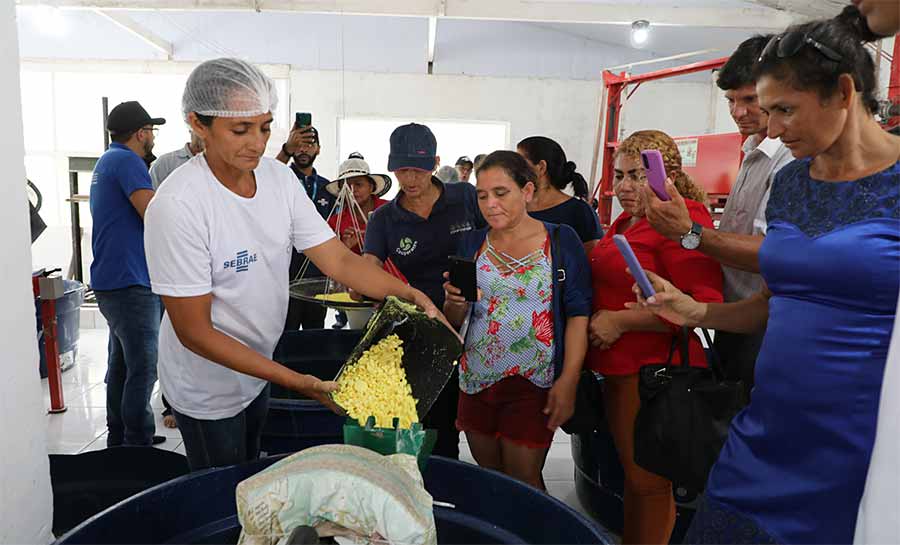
{"points": [[228, 88]]}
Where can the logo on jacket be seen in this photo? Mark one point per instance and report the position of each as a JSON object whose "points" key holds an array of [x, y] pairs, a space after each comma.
{"points": [[407, 246], [242, 262], [461, 227]]}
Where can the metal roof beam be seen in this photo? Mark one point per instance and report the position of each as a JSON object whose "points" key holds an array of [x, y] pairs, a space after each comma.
{"points": [[129, 24], [544, 11]]}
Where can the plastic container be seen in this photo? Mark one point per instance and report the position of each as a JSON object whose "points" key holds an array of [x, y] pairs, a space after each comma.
{"points": [[200, 508], [415, 441], [295, 422], [68, 324], [88, 483]]}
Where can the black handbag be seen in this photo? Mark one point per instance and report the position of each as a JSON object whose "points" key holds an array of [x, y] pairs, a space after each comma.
{"points": [[684, 416], [589, 412]]}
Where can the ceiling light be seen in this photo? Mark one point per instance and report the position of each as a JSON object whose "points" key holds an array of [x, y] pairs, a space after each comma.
{"points": [[640, 32]]}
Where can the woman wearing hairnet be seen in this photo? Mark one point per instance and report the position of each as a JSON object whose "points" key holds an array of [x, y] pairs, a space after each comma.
{"points": [[218, 239]]}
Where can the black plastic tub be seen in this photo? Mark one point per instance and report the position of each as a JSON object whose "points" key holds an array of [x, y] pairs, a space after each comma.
{"points": [[295, 422], [200, 508], [599, 482]]}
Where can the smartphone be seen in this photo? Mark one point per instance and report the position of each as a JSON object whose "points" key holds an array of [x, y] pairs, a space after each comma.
{"points": [[656, 172], [634, 266], [464, 277], [302, 119]]}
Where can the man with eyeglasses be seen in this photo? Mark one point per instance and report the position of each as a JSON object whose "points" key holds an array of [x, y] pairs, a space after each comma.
{"points": [[121, 189], [301, 150], [736, 242]]}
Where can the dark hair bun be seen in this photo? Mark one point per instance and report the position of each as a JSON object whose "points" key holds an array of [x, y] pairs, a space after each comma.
{"points": [[855, 23], [569, 168]]}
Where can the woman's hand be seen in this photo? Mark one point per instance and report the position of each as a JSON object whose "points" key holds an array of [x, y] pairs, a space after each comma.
{"points": [[669, 303], [350, 238], [561, 401], [319, 390], [453, 295], [427, 305], [604, 330]]}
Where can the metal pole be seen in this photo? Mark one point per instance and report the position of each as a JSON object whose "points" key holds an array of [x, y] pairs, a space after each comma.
{"points": [[77, 272]]}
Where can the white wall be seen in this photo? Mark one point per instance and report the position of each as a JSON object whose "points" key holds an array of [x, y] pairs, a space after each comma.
{"points": [[26, 508], [61, 107], [563, 110]]}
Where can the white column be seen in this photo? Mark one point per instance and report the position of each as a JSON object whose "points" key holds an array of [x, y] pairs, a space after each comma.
{"points": [[26, 508]]}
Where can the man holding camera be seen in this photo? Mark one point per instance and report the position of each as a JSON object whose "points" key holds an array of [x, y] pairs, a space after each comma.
{"points": [[300, 152]]}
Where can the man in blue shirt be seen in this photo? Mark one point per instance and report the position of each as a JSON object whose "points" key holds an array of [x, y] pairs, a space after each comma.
{"points": [[418, 231], [301, 150], [120, 191]]}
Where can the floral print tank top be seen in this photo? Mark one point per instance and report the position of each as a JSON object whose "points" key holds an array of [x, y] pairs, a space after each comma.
{"points": [[511, 328]]}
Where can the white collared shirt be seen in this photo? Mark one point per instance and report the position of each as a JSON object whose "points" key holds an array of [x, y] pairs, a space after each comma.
{"points": [[745, 210]]}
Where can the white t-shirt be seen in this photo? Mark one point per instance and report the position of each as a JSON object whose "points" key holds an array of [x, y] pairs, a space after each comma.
{"points": [[202, 238]]}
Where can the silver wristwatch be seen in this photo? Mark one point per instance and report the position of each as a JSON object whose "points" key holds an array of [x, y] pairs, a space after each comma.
{"points": [[691, 239]]}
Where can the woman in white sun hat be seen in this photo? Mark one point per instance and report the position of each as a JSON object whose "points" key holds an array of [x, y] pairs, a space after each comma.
{"points": [[367, 189]]}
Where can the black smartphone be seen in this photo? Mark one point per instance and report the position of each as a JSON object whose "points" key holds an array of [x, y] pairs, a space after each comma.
{"points": [[302, 119], [464, 277]]}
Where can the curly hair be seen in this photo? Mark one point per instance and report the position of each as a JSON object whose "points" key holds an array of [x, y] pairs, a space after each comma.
{"points": [[662, 142]]}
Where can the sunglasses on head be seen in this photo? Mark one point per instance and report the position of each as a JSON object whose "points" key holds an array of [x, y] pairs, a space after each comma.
{"points": [[790, 43]]}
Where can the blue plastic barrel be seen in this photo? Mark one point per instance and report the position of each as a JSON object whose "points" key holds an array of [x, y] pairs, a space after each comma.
{"points": [[68, 322], [200, 508]]}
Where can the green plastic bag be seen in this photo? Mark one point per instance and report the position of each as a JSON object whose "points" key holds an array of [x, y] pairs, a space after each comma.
{"points": [[416, 440]]}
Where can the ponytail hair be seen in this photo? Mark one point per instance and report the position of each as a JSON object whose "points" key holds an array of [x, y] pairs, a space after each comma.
{"points": [[560, 170]]}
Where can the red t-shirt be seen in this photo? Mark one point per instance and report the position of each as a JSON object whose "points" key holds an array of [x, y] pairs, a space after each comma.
{"points": [[689, 270], [347, 221]]}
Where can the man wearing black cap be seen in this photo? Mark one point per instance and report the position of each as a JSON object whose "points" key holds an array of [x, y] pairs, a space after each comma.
{"points": [[417, 232], [120, 191], [464, 167], [301, 150]]}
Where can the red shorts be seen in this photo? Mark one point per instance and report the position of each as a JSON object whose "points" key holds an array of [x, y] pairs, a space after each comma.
{"points": [[512, 409]]}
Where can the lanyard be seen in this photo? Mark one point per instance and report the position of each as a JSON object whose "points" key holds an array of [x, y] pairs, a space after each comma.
{"points": [[315, 190]]}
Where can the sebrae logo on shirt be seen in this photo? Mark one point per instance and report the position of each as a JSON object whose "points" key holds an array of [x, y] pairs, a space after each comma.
{"points": [[407, 246], [242, 262]]}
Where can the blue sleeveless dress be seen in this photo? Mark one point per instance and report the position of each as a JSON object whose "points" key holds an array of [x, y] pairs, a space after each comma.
{"points": [[794, 466]]}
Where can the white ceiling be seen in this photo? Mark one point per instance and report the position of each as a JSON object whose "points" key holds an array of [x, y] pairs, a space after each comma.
{"points": [[539, 39]]}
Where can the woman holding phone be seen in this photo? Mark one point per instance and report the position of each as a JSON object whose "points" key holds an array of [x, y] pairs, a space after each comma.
{"points": [[793, 468], [527, 332], [624, 340]]}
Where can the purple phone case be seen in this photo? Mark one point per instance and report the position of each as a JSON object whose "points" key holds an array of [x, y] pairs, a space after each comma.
{"points": [[656, 172], [633, 265]]}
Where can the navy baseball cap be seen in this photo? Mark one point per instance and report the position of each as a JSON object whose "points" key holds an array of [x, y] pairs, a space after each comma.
{"points": [[412, 146]]}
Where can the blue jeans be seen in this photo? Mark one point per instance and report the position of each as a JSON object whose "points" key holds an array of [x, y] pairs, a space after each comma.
{"points": [[133, 315], [227, 441]]}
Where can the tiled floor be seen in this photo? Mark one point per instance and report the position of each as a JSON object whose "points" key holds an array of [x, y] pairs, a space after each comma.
{"points": [[83, 427]]}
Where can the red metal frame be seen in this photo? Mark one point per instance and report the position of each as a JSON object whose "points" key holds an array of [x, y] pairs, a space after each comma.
{"points": [[894, 89], [615, 85], [51, 348]]}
